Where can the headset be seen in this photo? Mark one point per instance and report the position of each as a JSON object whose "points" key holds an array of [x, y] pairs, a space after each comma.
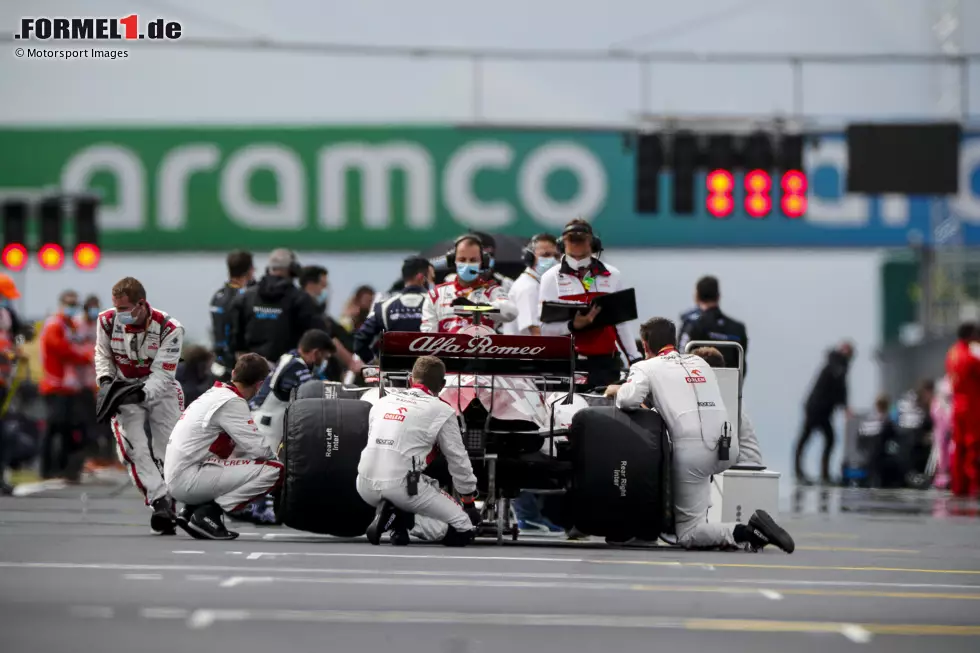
{"points": [[527, 254], [451, 254], [580, 228]]}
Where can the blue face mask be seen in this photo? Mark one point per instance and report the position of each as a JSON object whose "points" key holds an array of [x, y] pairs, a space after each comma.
{"points": [[93, 313], [320, 369], [71, 311], [125, 318], [492, 261], [324, 296], [467, 271], [544, 264]]}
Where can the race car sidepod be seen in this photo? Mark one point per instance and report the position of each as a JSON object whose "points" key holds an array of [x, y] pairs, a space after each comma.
{"points": [[322, 445], [619, 479]]}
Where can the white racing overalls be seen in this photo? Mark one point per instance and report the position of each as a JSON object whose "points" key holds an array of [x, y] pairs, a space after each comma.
{"points": [[684, 390], [217, 454], [404, 428], [150, 353]]}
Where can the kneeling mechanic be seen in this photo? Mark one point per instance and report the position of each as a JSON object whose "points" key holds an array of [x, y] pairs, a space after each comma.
{"points": [[685, 392], [402, 432], [217, 461]]}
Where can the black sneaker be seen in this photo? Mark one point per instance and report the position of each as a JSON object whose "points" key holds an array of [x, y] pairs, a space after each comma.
{"points": [[206, 521], [399, 537], [183, 520], [163, 521], [764, 531], [384, 519]]}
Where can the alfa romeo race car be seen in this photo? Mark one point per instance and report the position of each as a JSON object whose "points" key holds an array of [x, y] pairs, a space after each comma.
{"points": [[516, 401]]}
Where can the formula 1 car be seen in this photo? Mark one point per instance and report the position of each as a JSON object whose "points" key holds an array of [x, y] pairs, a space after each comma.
{"points": [[516, 401]]}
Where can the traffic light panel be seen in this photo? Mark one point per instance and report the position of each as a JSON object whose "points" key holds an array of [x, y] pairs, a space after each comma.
{"points": [[758, 202], [87, 253], [649, 164], [14, 252], [51, 253]]}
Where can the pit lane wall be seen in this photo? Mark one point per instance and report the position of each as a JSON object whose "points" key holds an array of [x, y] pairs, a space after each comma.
{"points": [[386, 188]]}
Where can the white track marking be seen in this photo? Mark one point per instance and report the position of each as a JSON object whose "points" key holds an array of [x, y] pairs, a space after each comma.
{"points": [[200, 619], [772, 595], [164, 613], [142, 576], [856, 633], [188, 552], [237, 570]]}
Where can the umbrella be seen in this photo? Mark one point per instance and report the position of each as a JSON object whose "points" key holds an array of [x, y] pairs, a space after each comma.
{"points": [[507, 255]]}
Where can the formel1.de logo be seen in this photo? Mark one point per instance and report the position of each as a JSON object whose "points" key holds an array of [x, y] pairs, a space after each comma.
{"points": [[129, 28]]}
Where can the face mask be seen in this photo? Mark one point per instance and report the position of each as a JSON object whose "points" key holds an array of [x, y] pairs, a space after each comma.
{"points": [[4, 303], [578, 263], [320, 369], [324, 296], [93, 313], [544, 264], [467, 271], [491, 261], [126, 318], [71, 311]]}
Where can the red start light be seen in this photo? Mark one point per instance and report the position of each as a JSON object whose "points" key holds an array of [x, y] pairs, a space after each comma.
{"points": [[720, 181], [758, 205], [720, 206], [14, 257], [758, 181], [87, 256], [794, 182], [794, 206], [51, 256]]}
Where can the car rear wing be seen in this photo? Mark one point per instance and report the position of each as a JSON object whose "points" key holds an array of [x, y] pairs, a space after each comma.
{"points": [[480, 354]]}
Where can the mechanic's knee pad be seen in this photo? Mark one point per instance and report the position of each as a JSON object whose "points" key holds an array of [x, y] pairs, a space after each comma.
{"points": [[458, 538]]}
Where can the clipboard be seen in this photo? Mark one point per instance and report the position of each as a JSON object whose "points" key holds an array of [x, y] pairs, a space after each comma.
{"points": [[617, 308], [552, 312]]}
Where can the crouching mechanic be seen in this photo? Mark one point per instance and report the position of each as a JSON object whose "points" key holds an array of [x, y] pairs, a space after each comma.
{"points": [[217, 460], [684, 390], [135, 341], [402, 432], [294, 368]]}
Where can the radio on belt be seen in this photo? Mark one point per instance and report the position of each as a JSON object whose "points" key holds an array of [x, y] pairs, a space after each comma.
{"points": [[724, 444]]}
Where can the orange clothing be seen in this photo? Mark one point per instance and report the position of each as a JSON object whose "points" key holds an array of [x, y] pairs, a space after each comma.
{"points": [[60, 356]]}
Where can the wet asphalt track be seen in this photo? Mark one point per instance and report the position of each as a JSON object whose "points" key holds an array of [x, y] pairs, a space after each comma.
{"points": [[873, 572]]}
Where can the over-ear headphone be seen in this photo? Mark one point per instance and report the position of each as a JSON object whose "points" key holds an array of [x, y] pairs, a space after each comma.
{"points": [[527, 254], [451, 254], [580, 228]]}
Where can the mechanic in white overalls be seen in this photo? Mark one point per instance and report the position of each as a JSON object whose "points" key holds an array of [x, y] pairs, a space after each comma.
{"points": [[684, 390], [403, 430]]}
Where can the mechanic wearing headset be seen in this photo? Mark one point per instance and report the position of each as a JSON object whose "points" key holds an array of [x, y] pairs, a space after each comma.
{"points": [[540, 255], [474, 283], [401, 312], [403, 428], [581, 277], [684, 390], [490, 247]]}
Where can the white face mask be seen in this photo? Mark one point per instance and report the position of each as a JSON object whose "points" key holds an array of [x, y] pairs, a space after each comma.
{"points": [[578, 263]]}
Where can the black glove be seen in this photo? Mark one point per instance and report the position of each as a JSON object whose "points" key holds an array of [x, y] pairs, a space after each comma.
{"points": [[469, 507]]}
